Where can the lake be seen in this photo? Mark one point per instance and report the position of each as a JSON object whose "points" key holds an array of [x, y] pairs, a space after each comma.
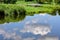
{"points": [[25, 27]]}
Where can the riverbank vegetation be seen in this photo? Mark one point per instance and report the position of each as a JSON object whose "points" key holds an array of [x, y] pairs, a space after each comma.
{"points": [[13, 11], [22, 6]]}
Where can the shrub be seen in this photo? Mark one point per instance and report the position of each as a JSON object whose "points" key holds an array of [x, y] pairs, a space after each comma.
{"points": [[9, 9], [28, 0], [8, 1]]}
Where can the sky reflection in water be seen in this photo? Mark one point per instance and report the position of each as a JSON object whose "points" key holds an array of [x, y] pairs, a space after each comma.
{"points": [[37, 27]]}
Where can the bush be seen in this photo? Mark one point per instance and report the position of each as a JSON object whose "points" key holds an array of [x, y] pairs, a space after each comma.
{"points": [[59, 2], [28, 0], [8, 9], [14, 13], [8, 1], [39, 1]]}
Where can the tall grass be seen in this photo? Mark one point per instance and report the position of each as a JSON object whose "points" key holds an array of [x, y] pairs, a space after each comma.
{"points": [[9, 8], [12, 13]]}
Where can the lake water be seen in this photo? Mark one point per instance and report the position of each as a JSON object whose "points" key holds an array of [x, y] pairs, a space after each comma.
{"points": [[36, 27]]}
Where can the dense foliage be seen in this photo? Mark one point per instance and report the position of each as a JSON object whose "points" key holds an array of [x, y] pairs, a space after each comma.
{"points": [[42, 1], [28, 0], [8, 1], [38, 1]]}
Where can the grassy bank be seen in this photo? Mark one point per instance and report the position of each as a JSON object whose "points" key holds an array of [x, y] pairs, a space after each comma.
{"points": [[11, 8], [11, 13], [29, 10], [17, 12], [25, 3], [51, 9]]}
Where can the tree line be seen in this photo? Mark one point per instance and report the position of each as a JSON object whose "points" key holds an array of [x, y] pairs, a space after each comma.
{"points": [[8, 1], [45, 1], [38, 1]]}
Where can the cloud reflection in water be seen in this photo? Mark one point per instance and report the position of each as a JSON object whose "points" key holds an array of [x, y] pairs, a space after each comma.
{"points": [[31, 26], [8, 36], [37, 29]]}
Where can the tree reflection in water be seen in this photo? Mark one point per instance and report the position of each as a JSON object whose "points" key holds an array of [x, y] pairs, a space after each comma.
{"points": [[17, 15], [13, 17], [2, 16], [59, 11]]}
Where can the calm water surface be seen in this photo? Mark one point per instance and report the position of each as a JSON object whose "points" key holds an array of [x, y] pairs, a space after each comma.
{"points": [[37, 27]]}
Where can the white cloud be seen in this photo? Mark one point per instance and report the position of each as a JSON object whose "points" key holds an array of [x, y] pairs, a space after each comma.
{"points": [[35, 20], [48, 38], [51, 38], [37, 29], [28, 38], [12, 36], [8, 35], [42, 14], [18, 37], [28, 22]]}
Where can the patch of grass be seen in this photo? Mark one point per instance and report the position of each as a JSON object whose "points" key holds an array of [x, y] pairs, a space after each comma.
{"points": [[45, 8], [9, 8], [38, 9], [25, 3]]}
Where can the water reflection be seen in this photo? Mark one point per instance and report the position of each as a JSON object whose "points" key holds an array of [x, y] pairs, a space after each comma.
{"points": [[12, 18], [2, 16], [59, 11], [49, 38], [16, 16], [37, 27], [42, 29], [8, 36], [13, 36]]}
